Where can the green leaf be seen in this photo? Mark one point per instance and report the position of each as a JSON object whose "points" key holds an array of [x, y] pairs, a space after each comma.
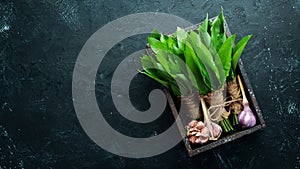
{"points": [[192, 68], [231, 75], [153, 70], [146, 62], [216, 78], [163, 60], [184, 84], [205, 57], [164, 83], [174, 71], [242, 43], [194, 38], [172, 63], [181, 37], [175, 90], [238, 50], [156, 45], [170, 84], [193, 71], [171, 42], [190, 49], [204, 25], [177, 51], [225, 54], [151, 66], [172, 46], [155, 34], [205, 38], [218, 24], [218, 33], [163, 39], [164, 75]]}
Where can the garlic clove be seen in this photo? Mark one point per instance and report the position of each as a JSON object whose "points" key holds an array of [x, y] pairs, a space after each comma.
{"points": [[200, 125], [193, 123], [198, 134], [204, 140], [192, 139], [205, 132], [217, 130], [201, 140], [193, 133]]}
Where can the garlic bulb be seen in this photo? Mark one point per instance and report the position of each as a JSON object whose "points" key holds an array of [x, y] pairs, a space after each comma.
{"points": [[197, 132], [246, 118], [214, 129]]}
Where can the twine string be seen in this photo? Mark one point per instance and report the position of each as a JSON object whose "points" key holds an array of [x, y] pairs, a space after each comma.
{"points": [[225, 114]]}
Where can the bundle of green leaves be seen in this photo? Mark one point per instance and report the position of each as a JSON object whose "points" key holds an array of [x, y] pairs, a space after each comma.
{"points": [[167, 66], [201, 60]]}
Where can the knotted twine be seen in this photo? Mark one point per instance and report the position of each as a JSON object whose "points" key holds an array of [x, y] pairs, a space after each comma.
{"points": [[217, 112], [217, 106], [217, 103]]}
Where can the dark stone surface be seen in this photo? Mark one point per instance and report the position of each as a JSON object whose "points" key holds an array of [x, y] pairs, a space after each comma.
{"points": [[39, 44]]}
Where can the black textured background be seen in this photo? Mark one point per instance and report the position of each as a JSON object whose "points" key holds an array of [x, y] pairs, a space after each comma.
{"points": [[39, 44]]}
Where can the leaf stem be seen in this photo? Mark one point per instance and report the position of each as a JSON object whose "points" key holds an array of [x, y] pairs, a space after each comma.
{"points": [[245, 101], [235, 120], [204, 108], [224, 126], [205, 115]]}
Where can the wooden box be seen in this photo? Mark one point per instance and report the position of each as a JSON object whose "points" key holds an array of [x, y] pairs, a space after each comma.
{"points": [[260, 123]]}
